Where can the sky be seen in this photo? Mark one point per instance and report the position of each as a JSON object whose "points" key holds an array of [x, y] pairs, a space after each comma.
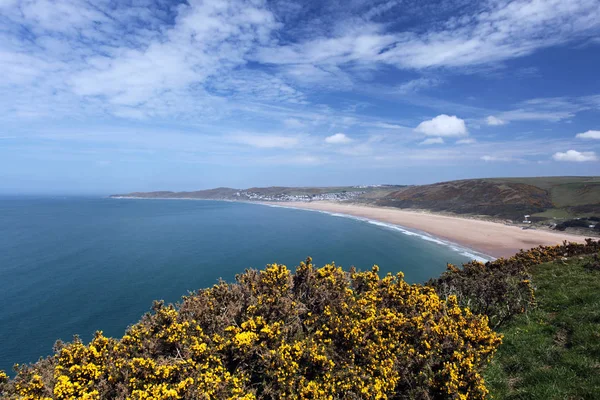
{"points": [[113, 96]]}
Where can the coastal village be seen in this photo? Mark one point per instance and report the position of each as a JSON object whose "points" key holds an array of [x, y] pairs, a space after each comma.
{"points": [[284, 197]]}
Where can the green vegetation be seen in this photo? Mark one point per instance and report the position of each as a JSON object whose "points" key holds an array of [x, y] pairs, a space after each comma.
{"points": [[554, 213], [553, 352], [587, 223]]}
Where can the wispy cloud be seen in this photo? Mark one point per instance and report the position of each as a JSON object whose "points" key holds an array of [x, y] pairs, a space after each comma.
{"points": [[430, 141], [416, 85], [294, 123], [267, 141], [489, 158], [466, 141], [338, 138], [496, 31], [494, 121], [140, 61]]}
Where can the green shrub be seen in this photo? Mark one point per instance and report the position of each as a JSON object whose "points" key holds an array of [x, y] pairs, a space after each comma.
{"points": [[502, 288]]}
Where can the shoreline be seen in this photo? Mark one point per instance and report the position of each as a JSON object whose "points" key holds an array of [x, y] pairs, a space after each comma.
{"points": [[465, 251], [489, 239], [484, 237]]}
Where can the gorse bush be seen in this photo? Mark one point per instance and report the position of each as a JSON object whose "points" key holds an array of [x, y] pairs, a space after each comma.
{"points": [[318, 333], [502, 288], [497, 290]]}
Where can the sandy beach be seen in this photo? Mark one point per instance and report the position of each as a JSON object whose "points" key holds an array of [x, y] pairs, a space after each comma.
{"points": [[491, 238]]}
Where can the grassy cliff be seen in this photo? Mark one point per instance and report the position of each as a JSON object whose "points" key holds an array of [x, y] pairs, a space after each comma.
{"points": [[553, 352]]}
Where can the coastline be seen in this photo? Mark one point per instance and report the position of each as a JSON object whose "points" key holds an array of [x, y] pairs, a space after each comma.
{"points": [[485, 237], [479, 238]]}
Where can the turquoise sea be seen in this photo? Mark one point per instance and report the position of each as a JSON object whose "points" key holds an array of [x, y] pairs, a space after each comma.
{"points": [[76, 265]]}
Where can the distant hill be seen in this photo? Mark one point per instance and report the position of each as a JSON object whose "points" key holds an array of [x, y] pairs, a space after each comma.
{"points": [[546, 199], [494, 198], [218, 193], [273, 193], [542, 198]]}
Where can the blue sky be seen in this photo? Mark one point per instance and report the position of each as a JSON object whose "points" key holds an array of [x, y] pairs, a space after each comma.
{"points": [[111, 96]]}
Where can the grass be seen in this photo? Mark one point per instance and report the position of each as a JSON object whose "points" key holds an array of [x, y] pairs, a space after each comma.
{"points": [[553, 352], [554, 213]]}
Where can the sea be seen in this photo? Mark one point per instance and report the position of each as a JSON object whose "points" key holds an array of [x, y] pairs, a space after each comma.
{"points": [[74, 265]]}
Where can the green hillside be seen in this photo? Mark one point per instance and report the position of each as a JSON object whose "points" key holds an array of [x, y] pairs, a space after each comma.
{"points": [[473, 196], [577, 195], [546, 199]]}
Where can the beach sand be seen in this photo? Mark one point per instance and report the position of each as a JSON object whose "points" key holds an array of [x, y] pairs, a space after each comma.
{"points": [[491, 238]]}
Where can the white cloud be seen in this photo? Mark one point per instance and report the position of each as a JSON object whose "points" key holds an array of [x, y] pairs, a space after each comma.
{"points": [[443, 125], [588, 135], [267, 141], [466, 141], [575, 156], [494, 121], [428, 141], [338, 138]]}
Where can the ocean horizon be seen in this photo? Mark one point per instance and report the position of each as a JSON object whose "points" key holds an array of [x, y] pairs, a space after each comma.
{"points": [[74, 265]]}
